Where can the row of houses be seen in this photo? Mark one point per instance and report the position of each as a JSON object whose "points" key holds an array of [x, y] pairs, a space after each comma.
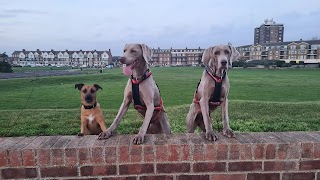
{"points": [[306, 51], [61, 58]]}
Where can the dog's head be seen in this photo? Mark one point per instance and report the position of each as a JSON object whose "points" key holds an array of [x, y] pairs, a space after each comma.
{"points": [[88, 93], [135, 55], [220, 57]]}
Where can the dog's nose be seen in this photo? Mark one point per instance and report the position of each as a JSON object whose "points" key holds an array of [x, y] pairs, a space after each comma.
{"points": [[224, 62], [121, 59], [88, 98]]}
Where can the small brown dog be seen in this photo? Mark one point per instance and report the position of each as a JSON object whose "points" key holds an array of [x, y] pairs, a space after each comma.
{"points": [[92, 120]]}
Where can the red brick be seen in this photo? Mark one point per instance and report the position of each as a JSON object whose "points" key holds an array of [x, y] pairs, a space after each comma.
{"points": [[198, 150], [84, 156], [258, 151], [161, 153], [71, 156], [124, 155], [15, 158], [97, 155], [136, 153], [299, 176], [289, 151], [136, 169], [234, 151], [246, 153], [307, 150], [98, 170], [173, 168], [271, 151], [28, 157], [43, 157], [66, 171], [222, 152], [185, 152], [209, 167], [263, 176], [280, 165], [245, 166], [173, 152], [111, 155], [148, 153], [57, 156], [317, 150], [156, 177], [3, 159], [228, 176], [18, 173], [308, 165], [120, 178], [193, 177]]}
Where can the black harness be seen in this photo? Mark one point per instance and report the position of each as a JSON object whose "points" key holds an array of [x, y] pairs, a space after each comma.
{"points": [[135, 87]]}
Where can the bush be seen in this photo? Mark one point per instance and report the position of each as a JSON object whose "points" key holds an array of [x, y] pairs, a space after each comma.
{"points": [[5, 67]]}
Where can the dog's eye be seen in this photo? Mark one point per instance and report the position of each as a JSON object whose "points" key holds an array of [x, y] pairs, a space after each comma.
{"points": [[133, 51], [226, 52], [217, 53], [84, 91], [92, 91]]}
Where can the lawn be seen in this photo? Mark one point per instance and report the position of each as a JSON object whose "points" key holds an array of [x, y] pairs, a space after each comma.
{"points": [[260, 100]]}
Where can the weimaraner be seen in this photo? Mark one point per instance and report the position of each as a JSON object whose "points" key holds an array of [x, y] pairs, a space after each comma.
{"points": [[212, 91], [143, 90]]}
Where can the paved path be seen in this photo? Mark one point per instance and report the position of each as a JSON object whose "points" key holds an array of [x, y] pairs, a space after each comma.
{"points": [[42, 73]]}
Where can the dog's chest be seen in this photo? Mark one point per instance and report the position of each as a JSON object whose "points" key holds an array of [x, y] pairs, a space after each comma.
{"points": [[90, 118]]}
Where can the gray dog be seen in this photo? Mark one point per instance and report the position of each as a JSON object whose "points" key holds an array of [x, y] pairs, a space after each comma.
{"points": [[143, 90], [212, 91]]}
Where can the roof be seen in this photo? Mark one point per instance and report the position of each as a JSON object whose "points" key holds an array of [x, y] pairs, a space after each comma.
{"points": [[311, 42], [57, 52]]}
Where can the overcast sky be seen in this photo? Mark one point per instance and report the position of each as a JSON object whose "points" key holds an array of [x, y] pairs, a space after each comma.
{"points": [[110, 24]]}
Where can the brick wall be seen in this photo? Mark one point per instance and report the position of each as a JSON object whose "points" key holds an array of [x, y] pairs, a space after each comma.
{"points": [[251, 156]]}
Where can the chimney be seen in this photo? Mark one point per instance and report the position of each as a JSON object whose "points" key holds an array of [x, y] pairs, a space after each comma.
{"points": [[23, 50], [51, 49], [109, 50], [80, 49], [38, 50]]}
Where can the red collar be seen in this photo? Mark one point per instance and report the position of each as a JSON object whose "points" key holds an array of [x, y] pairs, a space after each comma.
{"points": [[138, 80], [215, 77]]}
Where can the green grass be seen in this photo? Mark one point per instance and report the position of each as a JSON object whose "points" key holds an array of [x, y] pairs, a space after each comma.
{"points": [[260, 100], [30, 69]]}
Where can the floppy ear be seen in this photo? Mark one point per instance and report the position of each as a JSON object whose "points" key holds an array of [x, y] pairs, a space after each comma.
{"points": [[97, 87], [207, 55], [234, 55], [146, 52], [79, 86]]}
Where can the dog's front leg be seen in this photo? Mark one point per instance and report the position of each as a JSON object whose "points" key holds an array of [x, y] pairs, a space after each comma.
{"points": [[122, 111], [227, 131], [143, 129], [204, 105], [83, 126]]}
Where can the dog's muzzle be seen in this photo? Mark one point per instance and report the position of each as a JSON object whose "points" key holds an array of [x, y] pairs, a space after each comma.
{"points": [[88, 99]]}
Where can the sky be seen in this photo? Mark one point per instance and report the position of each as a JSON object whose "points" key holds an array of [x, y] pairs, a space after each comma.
{"points": [[110, 24]]}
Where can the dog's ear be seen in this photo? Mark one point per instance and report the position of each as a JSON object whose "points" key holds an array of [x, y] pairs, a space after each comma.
{"points": [[79, 86], [207, 55], [234, 55], [97, 87], [146, 53]]}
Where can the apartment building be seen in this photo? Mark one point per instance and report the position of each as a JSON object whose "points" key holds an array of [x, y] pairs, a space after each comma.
{"points": [[61, 58], [268, 32], [176, 57], [306, 51]]}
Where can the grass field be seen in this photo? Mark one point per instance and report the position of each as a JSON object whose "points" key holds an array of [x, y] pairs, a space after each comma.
{"points": [[260, 100]]}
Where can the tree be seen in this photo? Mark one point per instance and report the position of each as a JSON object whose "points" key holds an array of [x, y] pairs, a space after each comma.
{"points": [[315, 38]]}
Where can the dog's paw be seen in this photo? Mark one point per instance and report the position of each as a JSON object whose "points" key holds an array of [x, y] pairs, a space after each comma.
{"points": [[211, 136], [80, 134], [105, 135], [228, 132], [138, 139]]}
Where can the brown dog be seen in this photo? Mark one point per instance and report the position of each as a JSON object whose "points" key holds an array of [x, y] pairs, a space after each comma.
{"points": [[92, 120], [212, 91]]}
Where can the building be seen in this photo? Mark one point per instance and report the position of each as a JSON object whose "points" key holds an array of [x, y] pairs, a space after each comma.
{"points": [[61, 58], [269, 32], [306, 51], [176, 57]]}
